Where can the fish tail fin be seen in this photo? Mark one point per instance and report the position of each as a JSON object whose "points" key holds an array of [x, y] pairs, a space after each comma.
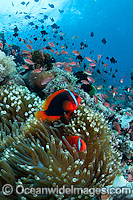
{"points": [[41, 115]]}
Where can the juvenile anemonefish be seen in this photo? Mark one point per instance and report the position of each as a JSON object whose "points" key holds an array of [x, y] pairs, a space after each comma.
{"points": [[78, 142], [62, 102]]}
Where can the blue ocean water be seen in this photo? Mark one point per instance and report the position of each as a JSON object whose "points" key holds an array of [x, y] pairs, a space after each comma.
{"points": [[109, 19]]}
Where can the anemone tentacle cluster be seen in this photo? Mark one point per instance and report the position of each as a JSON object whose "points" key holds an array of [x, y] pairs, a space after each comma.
{"points": [[17, 103], [39, 156]]}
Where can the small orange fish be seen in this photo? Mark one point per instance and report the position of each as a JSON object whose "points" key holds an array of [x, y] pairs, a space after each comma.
{"points": [[74, 37], [95, 99], [45, 48], [60, 103], [1, 45], [89, 59], [77, 142], [20, 39], [106, 104], [37, 71], [64, 52], [28, 61], [30, 41], [99, 56], [29, 46], [77, 64], [68, 69], [130, 178], [105, 96], [58, 64], [24, 52], [121, 81], [99, 87], [105, 65], [94, 61], [42, 54], [92, 64], [85, 82], [25, 66], [130, 98], [90, 79], [24, 41], [76, 52], [56, 52], [117, 126], [14, 52], [62, 47], [72, 63], [128, 114], [61, 33], [111, 108], [51, 44], [52, 50], [88, 72]]}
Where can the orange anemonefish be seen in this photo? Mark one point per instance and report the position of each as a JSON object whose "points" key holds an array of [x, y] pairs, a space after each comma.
{"points": [[78, 142], [62, 102]]}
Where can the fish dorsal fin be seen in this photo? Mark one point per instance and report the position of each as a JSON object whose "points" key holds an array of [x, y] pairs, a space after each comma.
{"points": [[49, 99]]}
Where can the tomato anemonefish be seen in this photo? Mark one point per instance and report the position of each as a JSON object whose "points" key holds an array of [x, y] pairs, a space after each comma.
{"points": [[62, 102], [78, 142]]}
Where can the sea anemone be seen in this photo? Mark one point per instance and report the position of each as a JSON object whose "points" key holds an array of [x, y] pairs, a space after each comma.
{"points": [[41, 157], [16, 104]]}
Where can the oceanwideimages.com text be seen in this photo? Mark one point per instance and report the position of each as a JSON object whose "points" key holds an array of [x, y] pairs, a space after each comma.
{"points": [[8, 189]]}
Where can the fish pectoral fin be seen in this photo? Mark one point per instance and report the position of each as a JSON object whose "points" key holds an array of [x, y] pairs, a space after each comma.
{"points": [[40, 115], [67, 106], [53, 118], [67, 115]]}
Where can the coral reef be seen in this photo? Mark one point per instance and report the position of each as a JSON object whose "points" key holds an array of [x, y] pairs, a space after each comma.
{"points": [[62, 80], [45, 83], [7, 66], [40, 156]]}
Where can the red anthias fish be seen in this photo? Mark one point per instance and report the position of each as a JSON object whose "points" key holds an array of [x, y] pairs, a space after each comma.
{"points": [[117, 126], [78, 142], [62, 102]]}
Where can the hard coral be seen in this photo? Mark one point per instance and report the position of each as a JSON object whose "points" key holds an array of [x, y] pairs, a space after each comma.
{"points": [[7, 66], [41, 157]]}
